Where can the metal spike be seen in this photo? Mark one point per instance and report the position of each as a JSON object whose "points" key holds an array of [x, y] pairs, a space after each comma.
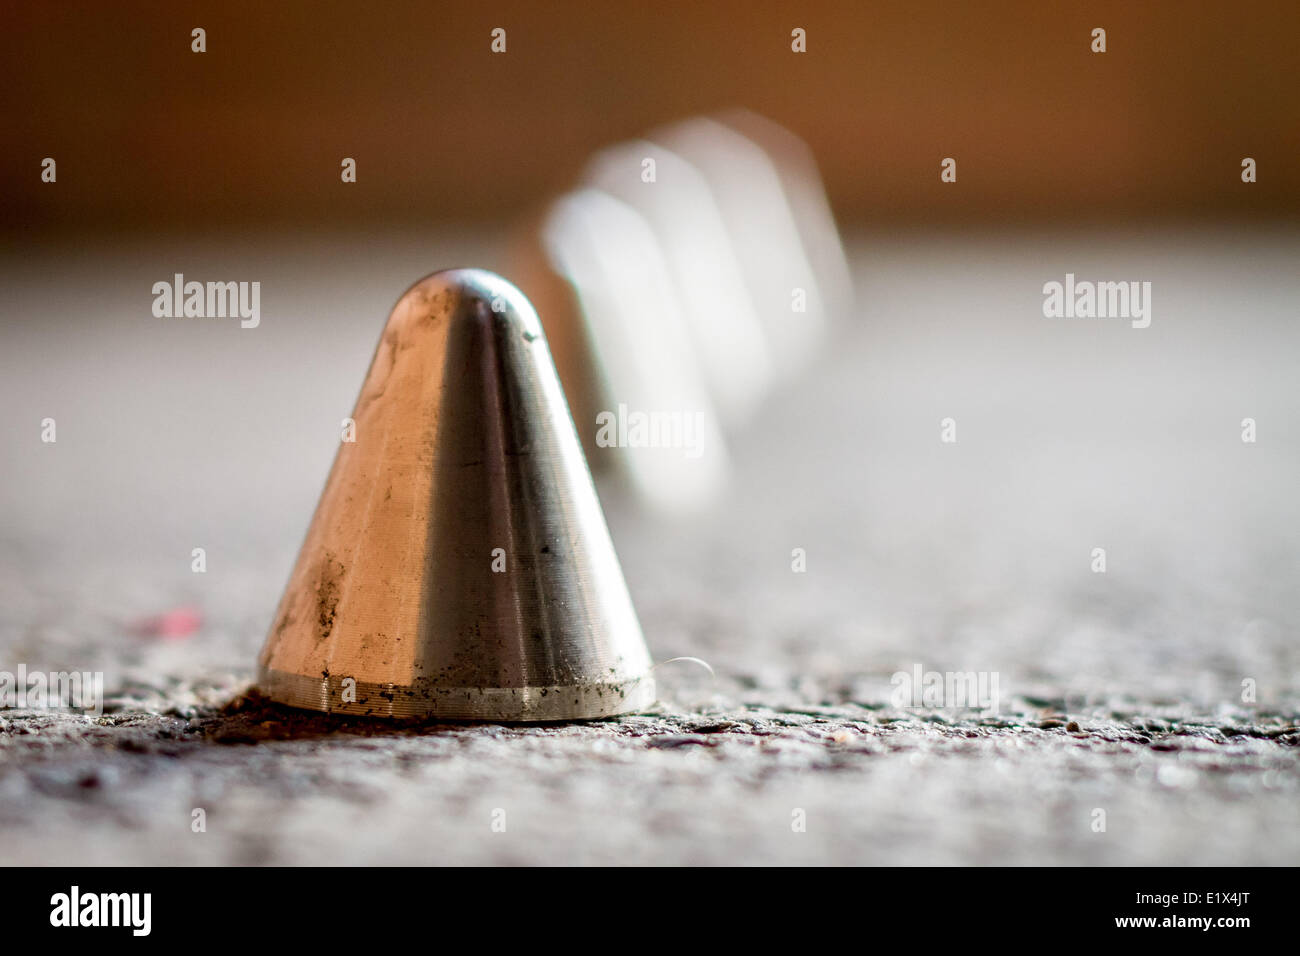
{"points": [[797, 167], [756, 211], [632, 349], [731, 344], [458, 565]]}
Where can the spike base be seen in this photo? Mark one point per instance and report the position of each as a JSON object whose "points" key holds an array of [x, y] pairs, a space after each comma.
{"points": [[431, 702]]}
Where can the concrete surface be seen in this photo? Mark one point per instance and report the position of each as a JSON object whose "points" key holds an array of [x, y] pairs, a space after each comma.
{"points": [[1120, 692]]}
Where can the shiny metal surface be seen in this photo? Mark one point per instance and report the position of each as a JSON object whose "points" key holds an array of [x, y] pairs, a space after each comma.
{"points": [[458, 565]]}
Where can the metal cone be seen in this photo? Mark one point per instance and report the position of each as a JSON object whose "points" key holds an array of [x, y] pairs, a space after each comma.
{"points": [[802, 183], [620, 342], [458, 565], [717, 307], [752, 197]]}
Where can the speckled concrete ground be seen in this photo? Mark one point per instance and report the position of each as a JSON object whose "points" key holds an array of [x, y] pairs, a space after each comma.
{"points": [[1120, 692]]}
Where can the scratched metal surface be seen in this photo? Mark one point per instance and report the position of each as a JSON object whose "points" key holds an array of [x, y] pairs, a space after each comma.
{"points": [[1120, 692]]}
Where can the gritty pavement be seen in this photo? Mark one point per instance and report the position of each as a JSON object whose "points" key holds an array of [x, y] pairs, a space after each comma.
{"points": [[1147, 715]]}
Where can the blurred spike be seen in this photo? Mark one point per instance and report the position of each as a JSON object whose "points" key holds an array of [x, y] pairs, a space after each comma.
{"points": [[731, 343], [458, 565], [757, 214], [797, 168], [642, 359]]}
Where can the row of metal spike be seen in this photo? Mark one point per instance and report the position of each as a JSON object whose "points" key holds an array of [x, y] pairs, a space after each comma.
{"points": [[687, 274], [458, 565]]}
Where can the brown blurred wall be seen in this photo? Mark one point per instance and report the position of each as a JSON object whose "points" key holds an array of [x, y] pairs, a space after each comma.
{"points": [[148, 134]]}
